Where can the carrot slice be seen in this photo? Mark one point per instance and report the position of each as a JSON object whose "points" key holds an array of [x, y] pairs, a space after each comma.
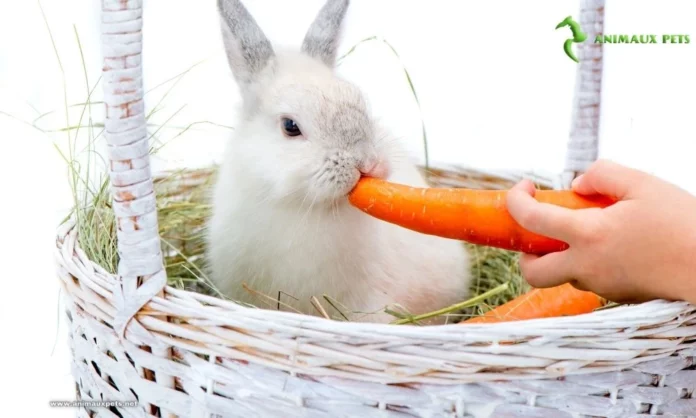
{"points": [[556, 301], [476, 216]]}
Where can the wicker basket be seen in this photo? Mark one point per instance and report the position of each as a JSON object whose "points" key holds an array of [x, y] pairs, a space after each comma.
{"points": [[185, 354]]}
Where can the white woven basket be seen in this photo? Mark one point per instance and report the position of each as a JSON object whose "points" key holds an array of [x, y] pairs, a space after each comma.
{"points": [[184, 354]]}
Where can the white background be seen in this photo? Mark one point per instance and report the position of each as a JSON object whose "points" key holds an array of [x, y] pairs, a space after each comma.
{"points": [[494, 83]]}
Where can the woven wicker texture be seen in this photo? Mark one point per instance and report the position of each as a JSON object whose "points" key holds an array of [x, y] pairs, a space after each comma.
{"points": [[186, 354], [125, 130], [583, 147], [141, 270], [236, 361]]}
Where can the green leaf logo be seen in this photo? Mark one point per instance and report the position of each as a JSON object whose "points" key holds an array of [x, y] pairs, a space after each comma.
{"points": [[578, 36]]}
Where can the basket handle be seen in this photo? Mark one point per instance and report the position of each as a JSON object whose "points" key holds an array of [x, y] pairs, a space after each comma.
{"points": [[583, 146], [141, 272]]}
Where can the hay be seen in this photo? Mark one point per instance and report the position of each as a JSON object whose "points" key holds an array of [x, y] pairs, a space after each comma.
{"points": [[490, 268], [183, 209]]}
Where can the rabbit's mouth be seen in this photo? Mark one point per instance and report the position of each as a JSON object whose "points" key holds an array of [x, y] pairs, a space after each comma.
{"points": [[347, 188], [378, 169], [341, 172], [331, 186], [347, 191]]}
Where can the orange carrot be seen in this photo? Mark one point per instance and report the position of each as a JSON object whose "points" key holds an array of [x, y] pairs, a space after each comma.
{"points": [[476, 216], [564, 300]]}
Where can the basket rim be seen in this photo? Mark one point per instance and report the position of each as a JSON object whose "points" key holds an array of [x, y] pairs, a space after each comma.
{"points": [[636, 315], [191, 323]]}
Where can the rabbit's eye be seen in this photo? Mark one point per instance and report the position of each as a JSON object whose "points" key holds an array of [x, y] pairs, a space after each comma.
{"points": [[290, 128]]}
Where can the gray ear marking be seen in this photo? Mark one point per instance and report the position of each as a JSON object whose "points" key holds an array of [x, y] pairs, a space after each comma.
{"points": [[322, 38], [248, 50]]}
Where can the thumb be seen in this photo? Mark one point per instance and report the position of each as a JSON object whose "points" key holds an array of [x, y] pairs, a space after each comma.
{"points": [[609, 179]]}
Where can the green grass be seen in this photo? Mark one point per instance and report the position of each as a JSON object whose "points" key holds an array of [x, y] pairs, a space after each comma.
{"points": [[490, 268]]}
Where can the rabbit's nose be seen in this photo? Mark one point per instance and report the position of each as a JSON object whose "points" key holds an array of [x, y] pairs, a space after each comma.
{"points": [[378, 169]]}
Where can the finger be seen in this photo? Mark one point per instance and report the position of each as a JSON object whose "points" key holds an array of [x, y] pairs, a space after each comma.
{"points": [[549, 270], [543, 218], [525, 186], [610, 179]]}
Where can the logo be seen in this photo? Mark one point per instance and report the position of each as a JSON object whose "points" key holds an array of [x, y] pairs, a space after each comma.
{"points": [[642, 39], [578, 36]]}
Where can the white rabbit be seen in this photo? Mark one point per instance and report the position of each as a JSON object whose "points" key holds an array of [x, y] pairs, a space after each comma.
{"points": [[281, 221]]}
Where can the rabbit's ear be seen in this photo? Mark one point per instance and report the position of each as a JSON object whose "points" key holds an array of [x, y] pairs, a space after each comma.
{"points": [[322, 38], [248, 49]]}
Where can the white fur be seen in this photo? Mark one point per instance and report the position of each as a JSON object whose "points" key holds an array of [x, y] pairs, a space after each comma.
{"points": [[277, 229]]}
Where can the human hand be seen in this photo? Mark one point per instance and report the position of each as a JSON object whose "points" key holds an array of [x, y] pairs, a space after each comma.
{"points": [[640, 248]]}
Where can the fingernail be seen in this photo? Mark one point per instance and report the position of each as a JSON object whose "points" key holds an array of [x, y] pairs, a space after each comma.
{"points": [[576, 180]]}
